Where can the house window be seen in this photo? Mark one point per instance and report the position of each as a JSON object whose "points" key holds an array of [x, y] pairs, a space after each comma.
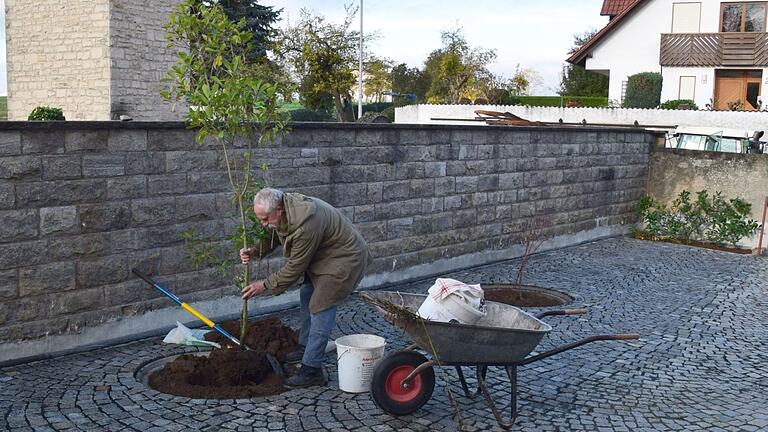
{"points": [[686, 17], [742, 17], [687, 88]]}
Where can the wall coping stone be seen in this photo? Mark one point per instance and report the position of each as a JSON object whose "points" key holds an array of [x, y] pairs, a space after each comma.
{"points": [[120, 125], [714, 155]]}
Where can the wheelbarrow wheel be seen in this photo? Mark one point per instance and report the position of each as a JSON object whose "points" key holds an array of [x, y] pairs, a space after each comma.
{"points": [[389, 373]]}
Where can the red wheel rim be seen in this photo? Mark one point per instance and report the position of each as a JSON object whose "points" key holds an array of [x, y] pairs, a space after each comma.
{"points": [[395, 391]]}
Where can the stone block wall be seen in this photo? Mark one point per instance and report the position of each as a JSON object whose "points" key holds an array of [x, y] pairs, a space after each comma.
{"points": [[139, 59], [81, 204], [58, 55]]}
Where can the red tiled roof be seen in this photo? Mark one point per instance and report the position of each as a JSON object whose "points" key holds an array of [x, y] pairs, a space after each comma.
{"points": [[615, 7], [581, 54]]}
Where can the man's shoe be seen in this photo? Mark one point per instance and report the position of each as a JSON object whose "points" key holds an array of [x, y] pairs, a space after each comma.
{"points": [[307, 376], [295, 356]]}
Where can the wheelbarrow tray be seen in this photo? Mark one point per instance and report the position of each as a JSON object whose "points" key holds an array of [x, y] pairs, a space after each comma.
{"points": [[505, 335]]}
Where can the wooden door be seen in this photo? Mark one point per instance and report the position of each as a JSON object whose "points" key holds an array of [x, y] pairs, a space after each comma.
{"points": [[737, 88]]}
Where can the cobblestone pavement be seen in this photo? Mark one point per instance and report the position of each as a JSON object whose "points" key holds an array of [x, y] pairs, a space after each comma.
{"points": [[700, 364]]}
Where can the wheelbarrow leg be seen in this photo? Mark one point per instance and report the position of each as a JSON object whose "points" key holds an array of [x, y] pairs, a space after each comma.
{"points": [[480, 373], [512, 372], [463, 381]]}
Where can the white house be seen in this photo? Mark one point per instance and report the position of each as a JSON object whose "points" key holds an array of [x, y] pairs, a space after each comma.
{"points": [[714, 52]]}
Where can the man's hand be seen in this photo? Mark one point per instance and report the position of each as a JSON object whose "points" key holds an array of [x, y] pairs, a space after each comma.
{"points": [[245, 255], [254, 289]]}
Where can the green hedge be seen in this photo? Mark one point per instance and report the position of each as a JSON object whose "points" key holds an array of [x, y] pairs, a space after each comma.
{"points": [[643, 90], [375, 107], [307, 115], [675, 104], [556, 101], [299, 113]]}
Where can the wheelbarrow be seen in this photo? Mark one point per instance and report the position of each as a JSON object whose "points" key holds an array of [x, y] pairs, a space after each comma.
{"points": [[403, 381]]}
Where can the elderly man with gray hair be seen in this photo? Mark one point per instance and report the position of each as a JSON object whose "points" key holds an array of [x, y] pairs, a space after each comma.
{"points": [[322, 245]]}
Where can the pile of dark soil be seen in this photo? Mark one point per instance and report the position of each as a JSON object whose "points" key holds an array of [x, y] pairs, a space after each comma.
{"points": [[269, 335], [230, 373], [717, 247], [640, 235]]}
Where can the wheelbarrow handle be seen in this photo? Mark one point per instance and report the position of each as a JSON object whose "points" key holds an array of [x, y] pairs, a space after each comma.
{"points": [[561, 312], [578, 343], [626, 336]]}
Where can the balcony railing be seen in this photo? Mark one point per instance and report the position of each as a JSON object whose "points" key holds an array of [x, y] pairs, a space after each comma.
{"points": [[714, 49]]}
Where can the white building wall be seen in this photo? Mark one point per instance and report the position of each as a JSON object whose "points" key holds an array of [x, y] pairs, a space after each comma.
{"points": [[634, 46], [710, 16], [705, 84]]}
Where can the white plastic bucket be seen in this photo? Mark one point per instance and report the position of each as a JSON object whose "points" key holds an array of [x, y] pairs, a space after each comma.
{"points": [[357, 356]]}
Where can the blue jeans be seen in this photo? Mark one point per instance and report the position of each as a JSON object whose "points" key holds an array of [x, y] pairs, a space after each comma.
{"points": [[315, 328]]}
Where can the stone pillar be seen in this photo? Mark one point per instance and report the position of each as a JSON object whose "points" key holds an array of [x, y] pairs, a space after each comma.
{"points": [[58, 56], [94, 59]]}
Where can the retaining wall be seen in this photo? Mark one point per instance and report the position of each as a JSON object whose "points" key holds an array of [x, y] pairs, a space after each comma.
{"points": [[81, 203]]}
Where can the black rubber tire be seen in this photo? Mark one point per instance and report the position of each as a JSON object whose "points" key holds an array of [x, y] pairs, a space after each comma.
{"points": [[398, 401]]}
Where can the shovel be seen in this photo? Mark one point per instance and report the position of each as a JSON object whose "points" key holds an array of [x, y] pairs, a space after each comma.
{"points": [[270, 358]]}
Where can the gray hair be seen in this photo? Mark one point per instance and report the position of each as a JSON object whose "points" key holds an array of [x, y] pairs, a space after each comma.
{"points": [[268, 199]]}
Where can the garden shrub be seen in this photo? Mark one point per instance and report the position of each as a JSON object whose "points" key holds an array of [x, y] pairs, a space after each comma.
{"points": [[707, 218], [643, 90], [373, 117], [46, 113], [389, 113]]}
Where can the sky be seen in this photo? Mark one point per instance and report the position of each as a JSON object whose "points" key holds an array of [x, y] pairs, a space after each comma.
{"points": [[532, 33]]}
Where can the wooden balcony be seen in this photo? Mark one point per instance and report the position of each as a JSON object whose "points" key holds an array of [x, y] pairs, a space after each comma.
{"points": [[714, 49]]}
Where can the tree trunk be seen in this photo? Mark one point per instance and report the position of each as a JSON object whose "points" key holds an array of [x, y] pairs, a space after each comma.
{"points": [[339, 107], [247, 278]]}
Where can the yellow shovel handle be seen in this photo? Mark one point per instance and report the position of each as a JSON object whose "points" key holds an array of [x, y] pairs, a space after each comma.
{"points": [[198, 315]]}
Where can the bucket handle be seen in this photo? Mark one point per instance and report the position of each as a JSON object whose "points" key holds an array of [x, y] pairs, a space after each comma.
{"points": [[346, 350]]}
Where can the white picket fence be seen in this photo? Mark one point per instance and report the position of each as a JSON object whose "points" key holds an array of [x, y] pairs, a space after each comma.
{"points": [[425, 114]]}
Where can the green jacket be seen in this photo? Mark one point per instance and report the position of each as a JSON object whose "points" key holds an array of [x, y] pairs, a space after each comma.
{"points": [[318, 240]]}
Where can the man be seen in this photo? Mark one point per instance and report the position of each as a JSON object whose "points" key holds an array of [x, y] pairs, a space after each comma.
{"points": [[322, 245]]}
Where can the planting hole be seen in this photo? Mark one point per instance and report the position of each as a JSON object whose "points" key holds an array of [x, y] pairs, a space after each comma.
{"points": [[525, 295], [227, 373]]}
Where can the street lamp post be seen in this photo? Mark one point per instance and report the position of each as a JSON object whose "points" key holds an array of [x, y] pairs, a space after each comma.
{"points": [[360, 72]]}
